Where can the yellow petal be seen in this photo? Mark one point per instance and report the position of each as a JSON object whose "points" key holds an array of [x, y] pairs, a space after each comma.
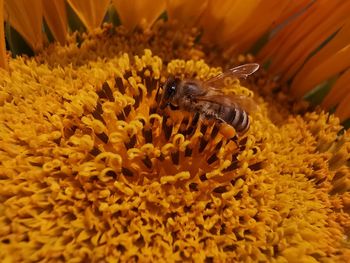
{"points": [[26, 17], [186, 12], [3, 58], [90, 12], [320, 67], [134, 12], [338, 91], [56, 18]]}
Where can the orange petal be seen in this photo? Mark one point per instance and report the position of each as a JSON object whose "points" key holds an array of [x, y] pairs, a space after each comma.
{"points": [[306, 80], [299, 29], [292, 9], [339, 90], [293, 44], [3, 57], [274, 44], [315, 38], [341, 39], [26, 17], [56, 18], [332, 59], [260, 21], [343, 110], [223, 17], [134, 12], [289, 13], [90, 12], [186, 12]]}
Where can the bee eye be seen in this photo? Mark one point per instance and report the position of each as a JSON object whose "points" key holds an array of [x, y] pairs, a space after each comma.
{"points": [[170, 91], [170, 88]]}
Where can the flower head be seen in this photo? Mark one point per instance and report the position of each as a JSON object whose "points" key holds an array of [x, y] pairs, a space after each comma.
{"points": [[92, 170]]}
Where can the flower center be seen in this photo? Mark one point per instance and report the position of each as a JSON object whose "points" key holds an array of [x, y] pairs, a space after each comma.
{"points": [[92, 166]]}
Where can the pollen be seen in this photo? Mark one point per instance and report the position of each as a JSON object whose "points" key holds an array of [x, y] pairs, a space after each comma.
{"points": [[91, 170]]}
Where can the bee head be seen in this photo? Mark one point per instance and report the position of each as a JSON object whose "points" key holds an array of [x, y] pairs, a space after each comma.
{"points": [[169, 91]]}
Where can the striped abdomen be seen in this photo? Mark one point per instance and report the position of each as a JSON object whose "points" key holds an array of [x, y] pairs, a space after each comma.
{"points": [[232, 115], [236, 117]]}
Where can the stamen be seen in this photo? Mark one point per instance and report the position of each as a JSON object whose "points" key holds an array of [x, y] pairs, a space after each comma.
{"points": [[97, 113], [120, 85], [203, 128], [219, 145], [95, 151], [202, 144], [175, 157], [220, 189], [188, 151], [203, 177], [131, 143], [166, 129], [103, 137], [192, 127], [214, 131], [193, 186], [121, 116], [147, 134], [256, 166], [212, 159], [147, 161], [127, 74], [137, 101], [127, 110], [127, 172], [233, 166], [107, 92]]}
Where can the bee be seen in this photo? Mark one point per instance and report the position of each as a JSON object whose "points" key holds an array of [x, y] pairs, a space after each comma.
{"points": [[207, 98]]}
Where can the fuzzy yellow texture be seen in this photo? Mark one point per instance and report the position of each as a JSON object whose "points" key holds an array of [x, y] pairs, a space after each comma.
{"points": [[89, 171]]}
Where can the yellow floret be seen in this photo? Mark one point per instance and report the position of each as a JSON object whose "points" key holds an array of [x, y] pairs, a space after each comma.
{"points": [[90, 170]]}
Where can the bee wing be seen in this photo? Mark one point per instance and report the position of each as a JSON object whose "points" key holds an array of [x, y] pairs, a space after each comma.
{"points": [[230, 100], [242, 71]]}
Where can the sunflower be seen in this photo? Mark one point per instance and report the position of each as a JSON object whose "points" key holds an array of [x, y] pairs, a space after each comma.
{"points": [[93, 170]]}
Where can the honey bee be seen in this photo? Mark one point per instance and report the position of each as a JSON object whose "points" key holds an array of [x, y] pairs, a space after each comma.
{"points": [[207, 98]]}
